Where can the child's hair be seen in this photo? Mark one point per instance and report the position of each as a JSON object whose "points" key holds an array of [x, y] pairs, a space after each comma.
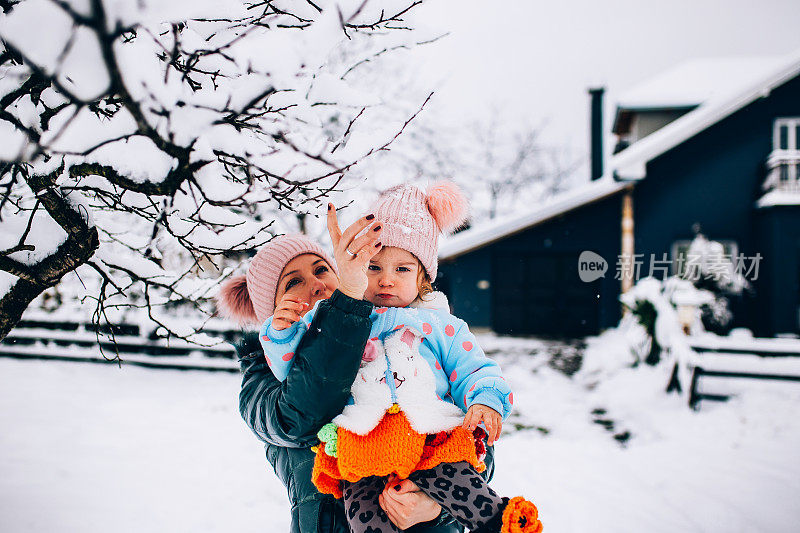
{"points": [[424, 286]]}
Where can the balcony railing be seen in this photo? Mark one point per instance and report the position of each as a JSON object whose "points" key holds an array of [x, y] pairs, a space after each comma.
{"points": [[784, 171]]}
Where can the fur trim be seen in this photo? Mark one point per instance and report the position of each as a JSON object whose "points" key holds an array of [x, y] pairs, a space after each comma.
{"points": [[447, 204], [435, 301], [417, 396], [233, 301], [371, 397]]}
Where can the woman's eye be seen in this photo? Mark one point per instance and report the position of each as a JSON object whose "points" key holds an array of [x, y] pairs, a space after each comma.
{"points": [[403, 269], [374, 268], [292, 283], [321, 270]]}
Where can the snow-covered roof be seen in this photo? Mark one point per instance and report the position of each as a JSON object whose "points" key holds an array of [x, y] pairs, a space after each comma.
{"points": [[500, 228], [697, 81], [630, 164], [718, 87]]}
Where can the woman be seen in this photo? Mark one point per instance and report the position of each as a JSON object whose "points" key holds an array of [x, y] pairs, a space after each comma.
{"points": [[286, 278]]}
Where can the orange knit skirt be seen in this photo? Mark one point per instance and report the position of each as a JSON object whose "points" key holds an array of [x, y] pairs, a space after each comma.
{"points": [[392, 447]]}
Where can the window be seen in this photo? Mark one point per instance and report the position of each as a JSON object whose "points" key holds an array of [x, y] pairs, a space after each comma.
{"points": [[706, 257], [784, 161], [786, 135]]}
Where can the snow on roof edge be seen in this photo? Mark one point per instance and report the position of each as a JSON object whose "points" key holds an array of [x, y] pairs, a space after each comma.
{"points": [[494, 230], [697, 80], [628, 163], [660, 107]]}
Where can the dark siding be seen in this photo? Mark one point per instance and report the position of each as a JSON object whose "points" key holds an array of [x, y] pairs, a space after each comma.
{"points": [[714, 179], [593, 227], [460, 284], [778, 284]]}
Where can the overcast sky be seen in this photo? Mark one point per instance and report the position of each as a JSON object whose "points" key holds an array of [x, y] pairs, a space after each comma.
{"points": [[535, 59]]}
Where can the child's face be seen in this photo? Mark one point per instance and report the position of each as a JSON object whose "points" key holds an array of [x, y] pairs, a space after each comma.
{"points": [[392, 278]]}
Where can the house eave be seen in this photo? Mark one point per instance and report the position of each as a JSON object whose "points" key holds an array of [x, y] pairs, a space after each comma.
{"points": [[476, 238]]}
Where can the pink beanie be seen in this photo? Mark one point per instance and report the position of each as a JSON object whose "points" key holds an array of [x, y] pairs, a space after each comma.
{"points": [[250, 297], [412, 219]]}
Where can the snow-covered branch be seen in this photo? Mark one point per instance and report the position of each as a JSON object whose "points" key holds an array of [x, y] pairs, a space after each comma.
{"points": [[166, 132]]}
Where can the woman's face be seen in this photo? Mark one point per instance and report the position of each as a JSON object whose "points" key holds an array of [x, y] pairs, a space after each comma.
{"points": [[308, 277]]}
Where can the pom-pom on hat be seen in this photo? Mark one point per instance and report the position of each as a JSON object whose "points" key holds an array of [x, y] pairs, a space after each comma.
{"points": [[250, 298], [413, 219]]}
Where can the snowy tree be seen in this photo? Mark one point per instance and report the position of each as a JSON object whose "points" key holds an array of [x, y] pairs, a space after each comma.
{"points": [[144, 139]]}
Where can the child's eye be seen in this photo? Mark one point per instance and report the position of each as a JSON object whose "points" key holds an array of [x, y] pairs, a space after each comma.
{"points": [[292, 282], [403, 269], [321, 270], [374, 268]]}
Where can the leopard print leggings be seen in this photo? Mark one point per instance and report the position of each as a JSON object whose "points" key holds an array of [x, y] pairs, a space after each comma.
{"points": [[457, 487]]}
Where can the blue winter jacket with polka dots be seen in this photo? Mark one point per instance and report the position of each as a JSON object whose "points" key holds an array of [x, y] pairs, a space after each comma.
{"points": [[464, 375]]}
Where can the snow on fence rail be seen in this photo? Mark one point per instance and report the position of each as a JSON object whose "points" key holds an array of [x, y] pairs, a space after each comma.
{"points": [[66, 340], [749, 358], [762, 346]]}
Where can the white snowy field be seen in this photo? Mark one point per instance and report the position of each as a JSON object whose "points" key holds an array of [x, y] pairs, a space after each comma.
{"points": [[87, 448]]}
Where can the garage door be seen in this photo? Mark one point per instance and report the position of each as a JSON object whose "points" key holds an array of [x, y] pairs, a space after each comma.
{"points": [[541, 294]]}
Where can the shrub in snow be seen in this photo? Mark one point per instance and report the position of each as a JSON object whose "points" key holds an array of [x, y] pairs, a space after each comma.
{"points": [[650, 301], [710, 269], [143, 141]]}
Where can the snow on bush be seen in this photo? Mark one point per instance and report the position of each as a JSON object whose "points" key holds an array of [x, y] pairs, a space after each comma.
{"points": [[650, 326]]}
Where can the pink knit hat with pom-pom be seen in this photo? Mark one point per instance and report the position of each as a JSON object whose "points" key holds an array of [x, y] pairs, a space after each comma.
{"points": [[413, 219], [250, 297]]}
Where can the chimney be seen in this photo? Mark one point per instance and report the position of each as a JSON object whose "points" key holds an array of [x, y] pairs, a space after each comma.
{"points": [[597, 131]]}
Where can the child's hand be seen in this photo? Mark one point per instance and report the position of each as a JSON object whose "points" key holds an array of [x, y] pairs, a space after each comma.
{"points": [[288, 311], [491, 419]]}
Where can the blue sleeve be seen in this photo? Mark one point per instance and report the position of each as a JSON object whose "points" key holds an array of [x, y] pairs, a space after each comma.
{"points": [[474, 378], [280, 345]]}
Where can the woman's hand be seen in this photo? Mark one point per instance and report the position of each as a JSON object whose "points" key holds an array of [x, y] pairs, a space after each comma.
{"points": [[288, 311], [491, 419], [354, 254], [405, 504]]}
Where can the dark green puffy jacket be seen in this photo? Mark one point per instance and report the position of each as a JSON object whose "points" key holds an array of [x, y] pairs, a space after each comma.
{"points": [[287, 415]]}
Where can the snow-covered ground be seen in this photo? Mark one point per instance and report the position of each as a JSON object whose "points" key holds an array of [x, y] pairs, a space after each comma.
{"points": [[87, 448]]}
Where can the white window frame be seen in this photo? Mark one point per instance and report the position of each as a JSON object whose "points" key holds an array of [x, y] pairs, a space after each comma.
{"points": [[784, 163], [792, 141], [731, 249]]}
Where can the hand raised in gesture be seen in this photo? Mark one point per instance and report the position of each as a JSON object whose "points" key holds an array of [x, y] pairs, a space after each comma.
{"points": [[353, 251]]}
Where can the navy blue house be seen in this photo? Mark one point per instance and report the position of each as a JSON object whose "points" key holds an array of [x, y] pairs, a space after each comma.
{"points": [[713, 144]]}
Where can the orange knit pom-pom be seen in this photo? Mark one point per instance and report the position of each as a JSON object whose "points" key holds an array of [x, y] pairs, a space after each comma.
{"points": [[521, 516]]}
